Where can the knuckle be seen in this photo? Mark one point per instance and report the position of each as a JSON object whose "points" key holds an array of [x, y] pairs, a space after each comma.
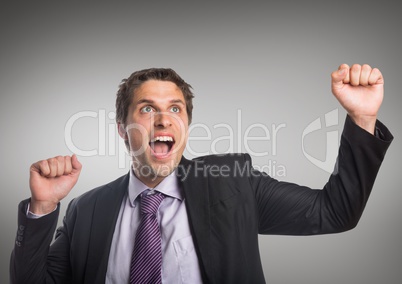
{"points": [[68, 165], [52, 161], [43, 166], [59, 159], [356, 67], [67, 160]]}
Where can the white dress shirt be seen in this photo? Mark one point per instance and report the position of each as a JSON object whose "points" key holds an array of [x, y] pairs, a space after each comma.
{"points": [[179, 259]]}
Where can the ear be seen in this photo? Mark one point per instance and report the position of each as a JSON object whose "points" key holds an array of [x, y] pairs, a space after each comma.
{"points": [[122, 131]]}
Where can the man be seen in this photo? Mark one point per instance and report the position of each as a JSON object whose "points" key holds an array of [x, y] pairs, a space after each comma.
{"points": [[212, 208]]}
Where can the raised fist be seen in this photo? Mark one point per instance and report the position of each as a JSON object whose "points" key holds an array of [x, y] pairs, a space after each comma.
{"points": [[51, 180]]}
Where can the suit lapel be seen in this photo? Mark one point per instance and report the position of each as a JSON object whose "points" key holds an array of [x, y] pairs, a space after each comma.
{"points": [[195, 188], [105, 215]]}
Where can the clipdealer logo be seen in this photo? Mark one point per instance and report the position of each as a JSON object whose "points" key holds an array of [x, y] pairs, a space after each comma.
{"points": [[331, 119], [220, 138]]}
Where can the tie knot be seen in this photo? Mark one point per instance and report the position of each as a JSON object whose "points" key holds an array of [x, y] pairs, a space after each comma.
{"points": [[150, 203]]}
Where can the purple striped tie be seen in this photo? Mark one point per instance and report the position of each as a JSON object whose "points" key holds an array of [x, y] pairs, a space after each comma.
{"points": [[146, 261]]}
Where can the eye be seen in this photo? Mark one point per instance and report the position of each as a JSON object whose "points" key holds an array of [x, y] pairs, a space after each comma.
{"points": [[147, 109], [175, 109]]}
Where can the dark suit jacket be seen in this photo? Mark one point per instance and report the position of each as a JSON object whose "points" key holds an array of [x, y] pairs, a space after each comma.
{"points": [[228, 205]]}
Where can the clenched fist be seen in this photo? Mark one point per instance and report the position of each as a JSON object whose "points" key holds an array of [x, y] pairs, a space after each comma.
{"points": [[360, 90], [51, 180]]}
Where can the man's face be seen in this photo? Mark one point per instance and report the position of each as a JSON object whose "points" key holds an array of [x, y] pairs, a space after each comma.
{"points": [[156, 129]]}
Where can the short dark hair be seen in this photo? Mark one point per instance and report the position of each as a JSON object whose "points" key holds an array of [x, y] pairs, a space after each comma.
{"points": [[128, 86]]}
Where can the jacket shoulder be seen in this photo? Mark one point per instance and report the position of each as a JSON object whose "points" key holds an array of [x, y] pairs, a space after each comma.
{"points": [[226, 167], [223, 159]]}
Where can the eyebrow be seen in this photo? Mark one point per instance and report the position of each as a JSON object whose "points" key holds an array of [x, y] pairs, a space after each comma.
{"points": [[147, 101]]}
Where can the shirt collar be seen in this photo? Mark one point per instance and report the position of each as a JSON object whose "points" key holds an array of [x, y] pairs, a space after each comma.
{"points": [[168, 186]]}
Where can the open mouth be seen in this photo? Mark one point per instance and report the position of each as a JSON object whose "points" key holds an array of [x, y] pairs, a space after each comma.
{"points": [[161, 146]]}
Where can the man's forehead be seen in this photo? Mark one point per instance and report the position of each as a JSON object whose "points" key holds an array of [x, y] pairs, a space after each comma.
{"points": [[158, 91]]}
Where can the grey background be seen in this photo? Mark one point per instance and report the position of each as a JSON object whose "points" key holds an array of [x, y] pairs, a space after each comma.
{"points": [[270, 61]]}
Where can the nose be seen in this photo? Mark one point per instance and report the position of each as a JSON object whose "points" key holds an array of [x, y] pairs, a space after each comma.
{"points": [[162, 119]]}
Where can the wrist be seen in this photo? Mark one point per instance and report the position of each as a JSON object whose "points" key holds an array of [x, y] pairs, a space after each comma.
{"points": [[366, 122], [41, 207]]}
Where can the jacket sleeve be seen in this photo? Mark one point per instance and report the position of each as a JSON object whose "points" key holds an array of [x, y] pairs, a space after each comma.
{"points": [[290, 209], [31, 259]]}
